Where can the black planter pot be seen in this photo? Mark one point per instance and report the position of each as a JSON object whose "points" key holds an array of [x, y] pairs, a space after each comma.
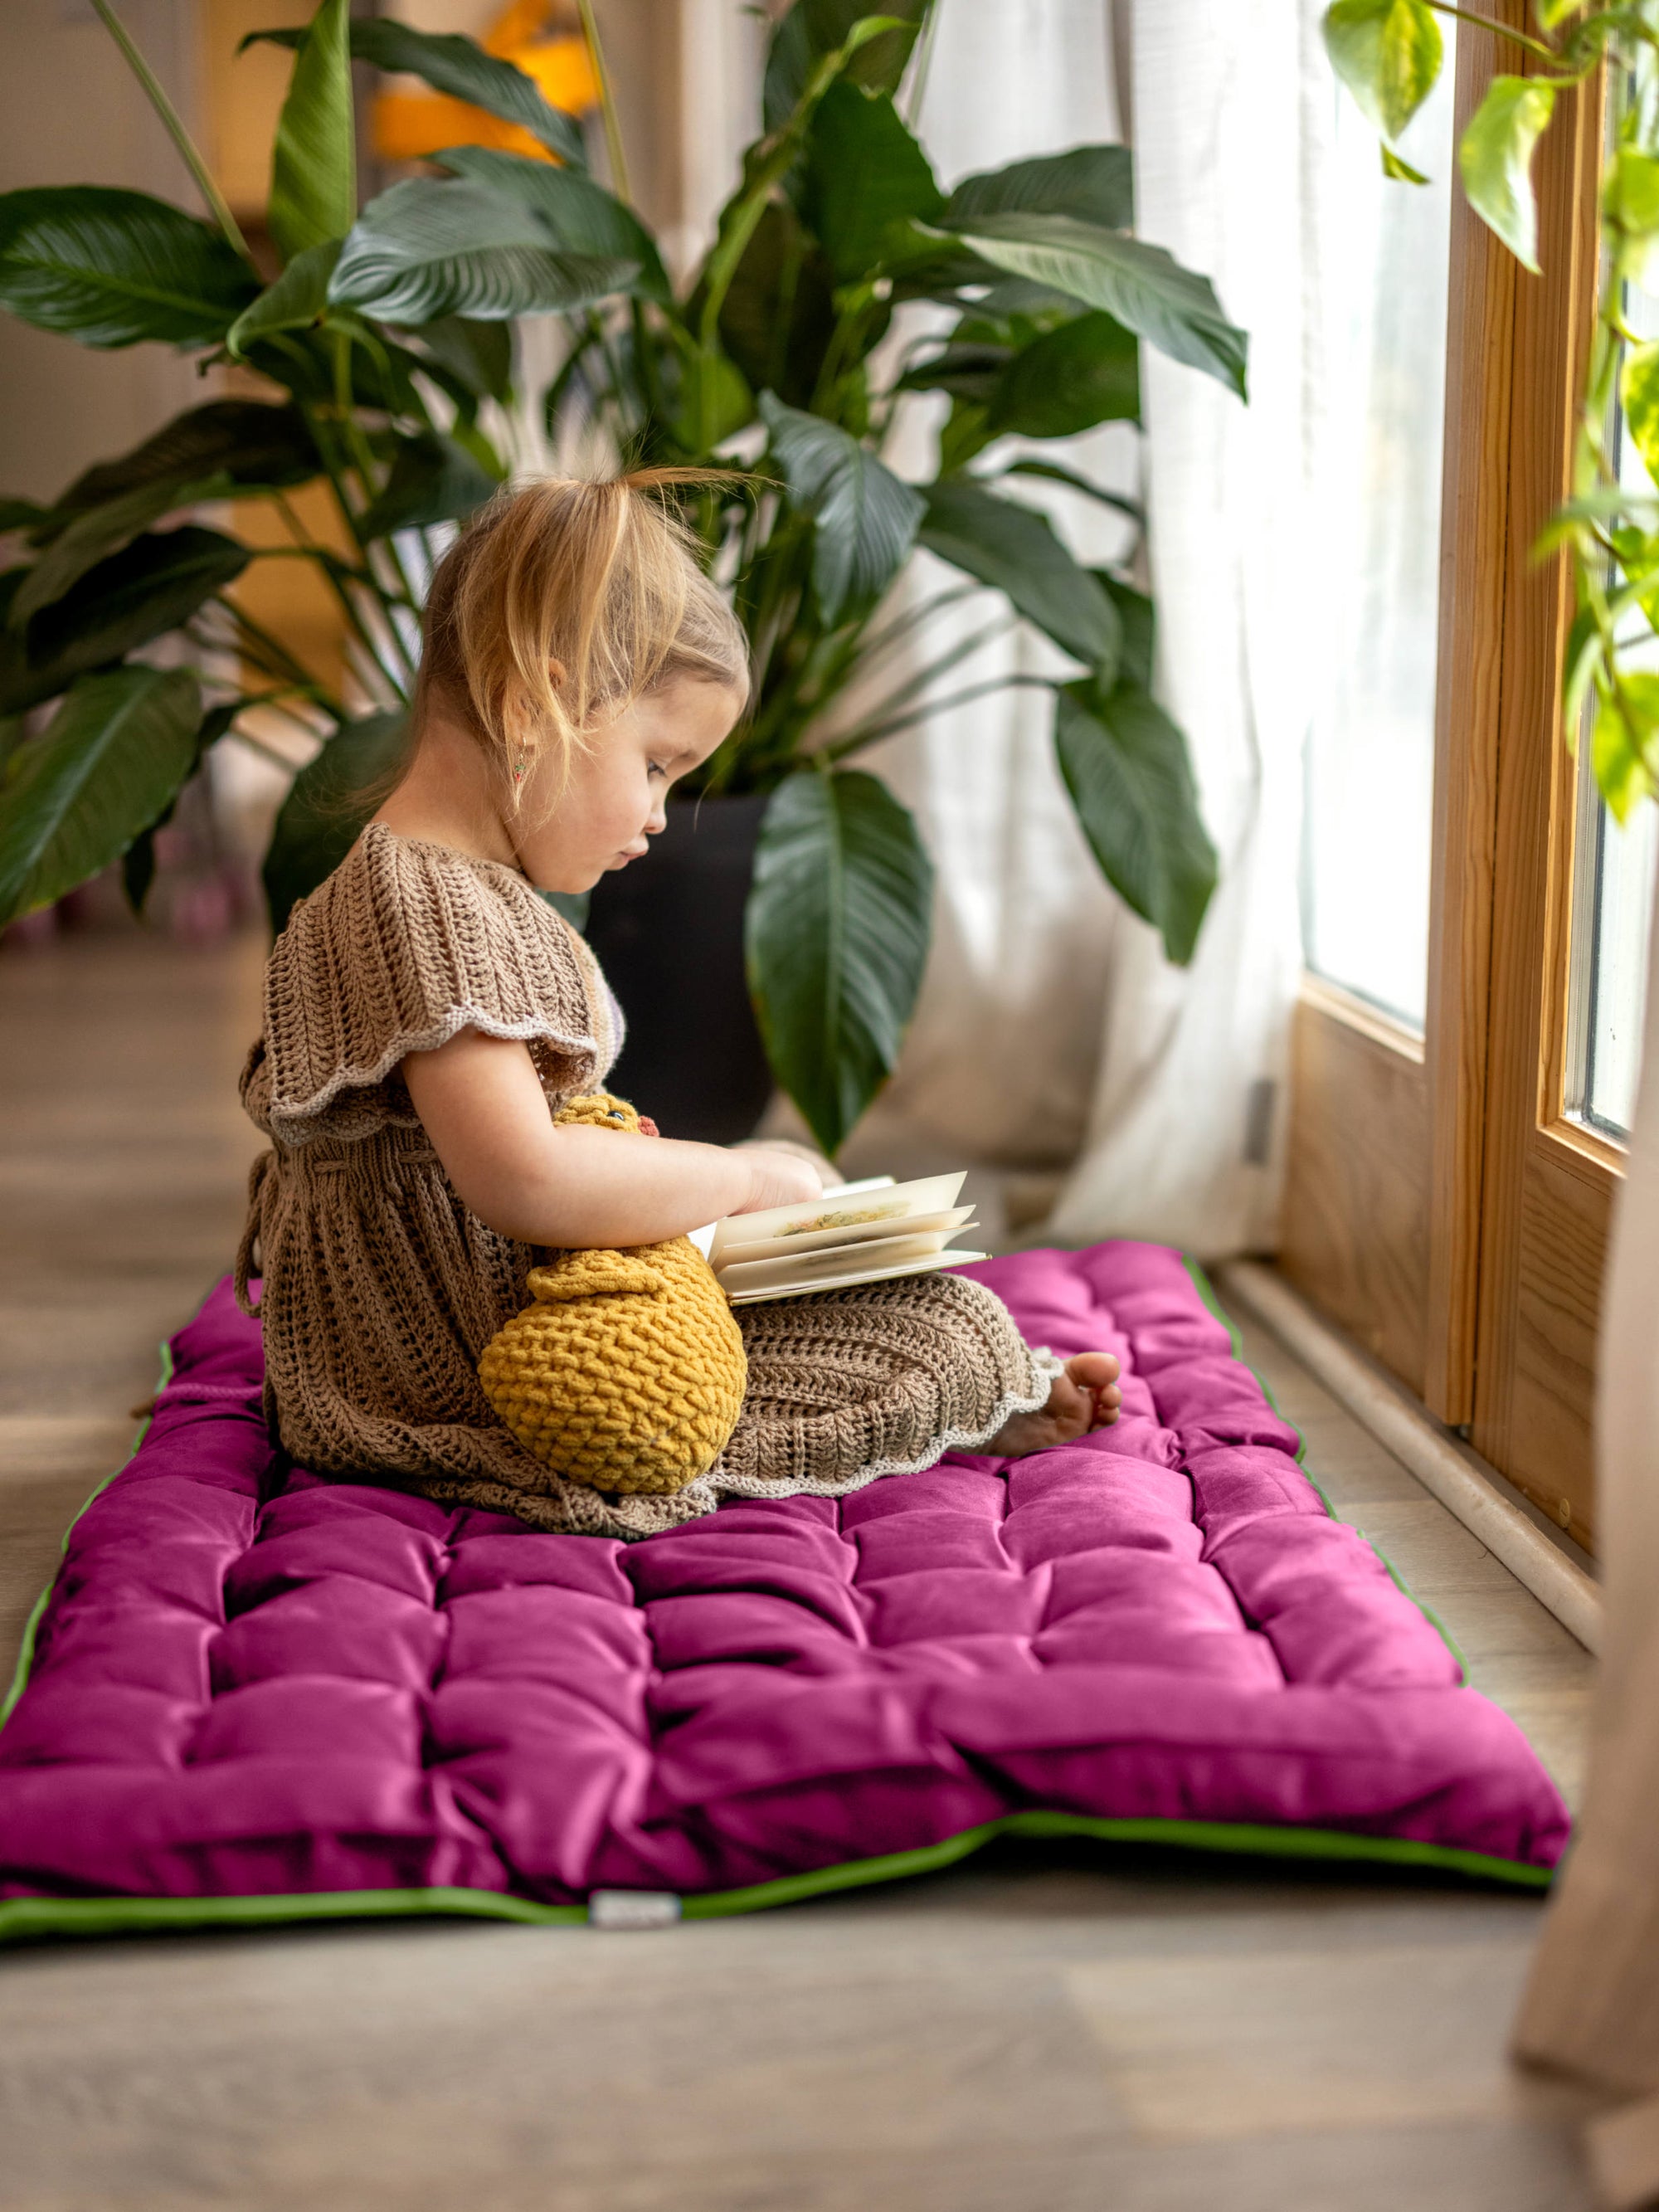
{"points": [[668, 931]]}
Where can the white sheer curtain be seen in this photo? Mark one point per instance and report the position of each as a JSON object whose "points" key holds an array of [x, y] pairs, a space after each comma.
{"points": [[1228, 100], [1000, 1059], [1051, 1033], [1593, 2006]]}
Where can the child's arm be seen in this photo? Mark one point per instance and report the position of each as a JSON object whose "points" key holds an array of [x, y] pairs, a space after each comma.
{"points": [[482, 1104]]}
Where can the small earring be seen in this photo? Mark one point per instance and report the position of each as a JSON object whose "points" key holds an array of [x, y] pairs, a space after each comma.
{"points": [[520, 768]]}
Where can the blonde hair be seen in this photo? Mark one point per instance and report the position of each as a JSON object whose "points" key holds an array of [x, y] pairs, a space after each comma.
{"points": [[599, 577]]}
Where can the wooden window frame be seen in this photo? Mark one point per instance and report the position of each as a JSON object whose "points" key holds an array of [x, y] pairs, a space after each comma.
{"points": [[1441, 1204]]}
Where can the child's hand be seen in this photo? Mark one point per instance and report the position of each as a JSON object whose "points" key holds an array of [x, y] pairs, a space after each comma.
{"points": [[777, 1178], [823, 1169]]}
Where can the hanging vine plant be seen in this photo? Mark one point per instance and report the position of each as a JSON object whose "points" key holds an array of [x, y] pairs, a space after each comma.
{"points": [[1389, 54]]}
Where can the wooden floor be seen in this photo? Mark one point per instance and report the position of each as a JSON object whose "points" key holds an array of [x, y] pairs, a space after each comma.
{"points": [[1073, 2032]]}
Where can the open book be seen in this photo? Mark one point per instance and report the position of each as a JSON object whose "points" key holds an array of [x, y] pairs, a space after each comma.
{"points": [[855, 1232]]}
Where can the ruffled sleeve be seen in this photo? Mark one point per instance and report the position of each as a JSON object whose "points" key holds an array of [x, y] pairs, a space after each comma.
{"points": [[406, 944]]}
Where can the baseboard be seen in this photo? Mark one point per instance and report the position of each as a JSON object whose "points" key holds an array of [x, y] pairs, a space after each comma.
{"points": [[1458, 1477]]}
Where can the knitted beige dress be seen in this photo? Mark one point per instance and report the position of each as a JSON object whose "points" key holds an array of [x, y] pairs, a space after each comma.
{"points": [[380, 1291]]}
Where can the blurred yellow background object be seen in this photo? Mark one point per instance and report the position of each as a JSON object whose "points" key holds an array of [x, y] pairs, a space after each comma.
{"points": [[410, 126]]}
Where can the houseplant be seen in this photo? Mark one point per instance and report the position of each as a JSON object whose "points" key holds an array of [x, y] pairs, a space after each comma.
{"points": [[386, 338], [1389, 54]]}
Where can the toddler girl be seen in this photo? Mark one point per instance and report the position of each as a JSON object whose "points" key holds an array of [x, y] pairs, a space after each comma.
{"points": [[427, 1011]]}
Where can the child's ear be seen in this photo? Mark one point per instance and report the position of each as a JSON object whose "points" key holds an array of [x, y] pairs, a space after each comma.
{"points": [[556, 673]]}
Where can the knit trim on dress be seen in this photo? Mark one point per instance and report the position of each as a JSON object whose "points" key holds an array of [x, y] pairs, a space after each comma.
{"points": [[285, 1111], [1045, 1369]]}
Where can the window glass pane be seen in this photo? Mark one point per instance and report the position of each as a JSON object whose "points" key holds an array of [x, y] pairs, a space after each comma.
{"points": [[1374, 560], [1613, 873], [1612, 977]]}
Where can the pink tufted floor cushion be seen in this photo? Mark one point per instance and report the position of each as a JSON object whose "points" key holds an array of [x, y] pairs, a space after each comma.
{"points": [[253, 1695]]}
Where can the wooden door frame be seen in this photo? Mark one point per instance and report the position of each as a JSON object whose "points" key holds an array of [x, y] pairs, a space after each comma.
{"points": [[1549, 1181], [1440, 1205], [1388, 1129], [1475, 538]]}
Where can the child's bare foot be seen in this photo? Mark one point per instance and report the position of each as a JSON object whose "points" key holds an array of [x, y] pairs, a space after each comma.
{"points": [[1084, 1397]]}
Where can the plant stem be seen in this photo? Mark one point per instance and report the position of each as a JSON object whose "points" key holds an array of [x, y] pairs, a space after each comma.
{"points": [[365, 638], [882, 641], [279, 661], [918, 86], [645, 359], [175, 129], [1545, 53], [272, 699], [613, 137], [963, 649], [873, 735]]}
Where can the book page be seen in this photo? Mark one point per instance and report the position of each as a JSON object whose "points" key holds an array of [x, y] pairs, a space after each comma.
{"points": [[827, 1267], [952, 1258], [893, 1203], [771, 1248]]}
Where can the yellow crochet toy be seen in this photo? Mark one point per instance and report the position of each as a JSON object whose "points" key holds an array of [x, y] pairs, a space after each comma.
{"points": [[628, 1372]]}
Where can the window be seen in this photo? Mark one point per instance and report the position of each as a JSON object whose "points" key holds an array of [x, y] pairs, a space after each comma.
{"points": [[1452, 1161], [1614, 898], [1375, 568], [1613, 889]]}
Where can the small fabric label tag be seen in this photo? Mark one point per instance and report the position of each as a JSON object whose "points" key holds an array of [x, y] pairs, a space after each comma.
{"points": [[633, 1908]]}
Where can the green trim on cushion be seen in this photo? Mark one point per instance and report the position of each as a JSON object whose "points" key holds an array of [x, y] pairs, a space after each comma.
{"points": [[1206, 1289], [25, 1917], [31, 1626]]}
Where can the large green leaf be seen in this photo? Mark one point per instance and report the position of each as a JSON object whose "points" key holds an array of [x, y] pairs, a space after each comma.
{"points": [[967, 369], [864, 518], [138, 861], [579, 216], [247, 440], [1139, 618], [425, 250], [1629, 210], [1015, 549], [1638, 394], [778, 315], [313, 168], [1125, 764], [1624, 743], [813, 29], [1388, 53], [1495, 158], [707, 399], [768, 163], [838, 925], [432, 480], [1086, 372], [451, 64], [325, 809], [1141, 285], [382, 370], [149, 587], [1095, 184], [297, 300], [1052, 472], [479, 354], [100, 531], [112, 268], [105, 767], [863, 172]]}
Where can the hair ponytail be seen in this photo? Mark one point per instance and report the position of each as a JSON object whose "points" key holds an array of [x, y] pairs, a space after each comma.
{"points": [[564, 600]]}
